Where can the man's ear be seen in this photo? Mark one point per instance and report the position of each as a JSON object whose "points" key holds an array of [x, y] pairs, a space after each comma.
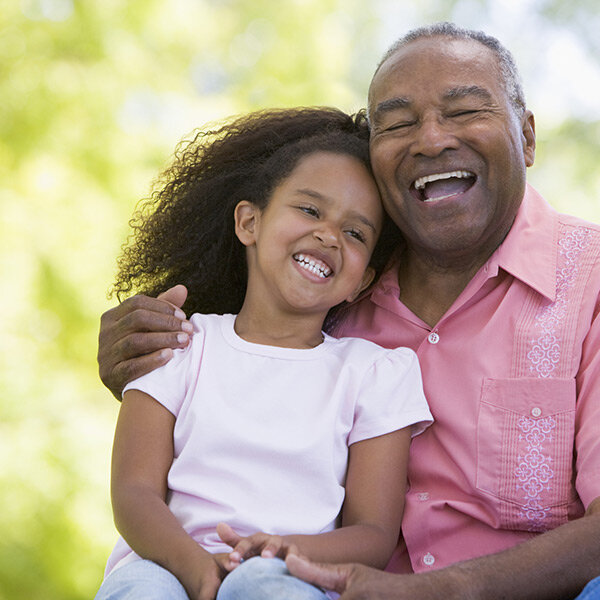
{"points": [[528, 128], [245, 216], [365, 282]]}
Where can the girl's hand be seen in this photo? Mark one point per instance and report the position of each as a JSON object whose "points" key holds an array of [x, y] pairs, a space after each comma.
{"points": [[203, 578], [257, 544]]}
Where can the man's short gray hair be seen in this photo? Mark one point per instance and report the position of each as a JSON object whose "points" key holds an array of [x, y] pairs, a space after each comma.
{"points": [[506, 62]]}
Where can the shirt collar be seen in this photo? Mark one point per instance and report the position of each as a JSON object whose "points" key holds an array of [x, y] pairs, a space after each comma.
{"points": [[529, 250]]}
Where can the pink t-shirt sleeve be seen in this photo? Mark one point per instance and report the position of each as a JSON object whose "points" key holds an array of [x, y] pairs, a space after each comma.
{"points": [[170, 383], [391, 397]]}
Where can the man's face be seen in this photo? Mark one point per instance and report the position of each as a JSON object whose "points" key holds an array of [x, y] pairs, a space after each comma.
{"points": [[449, 151]]}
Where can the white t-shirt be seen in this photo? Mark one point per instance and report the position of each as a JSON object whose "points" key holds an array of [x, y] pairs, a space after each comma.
{"points": [[262, 433]]}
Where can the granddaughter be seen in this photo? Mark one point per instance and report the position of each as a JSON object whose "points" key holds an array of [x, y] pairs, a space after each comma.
{"points": [[265, 436]]}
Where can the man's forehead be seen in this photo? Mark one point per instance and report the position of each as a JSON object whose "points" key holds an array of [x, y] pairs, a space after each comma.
{"points": [[461, 63], [440, 48]]}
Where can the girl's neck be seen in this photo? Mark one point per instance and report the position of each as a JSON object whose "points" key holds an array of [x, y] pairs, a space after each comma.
{"points": [[284, 331]]}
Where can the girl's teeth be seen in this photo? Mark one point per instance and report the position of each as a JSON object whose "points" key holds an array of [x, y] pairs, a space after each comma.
{"points": [[313, 266]]}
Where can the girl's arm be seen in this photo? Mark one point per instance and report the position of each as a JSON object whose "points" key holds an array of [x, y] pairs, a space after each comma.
{"points": [[142, 456], [371, 516]]}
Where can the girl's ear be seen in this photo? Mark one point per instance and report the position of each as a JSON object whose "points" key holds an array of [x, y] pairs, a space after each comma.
{"points": [[365, 282], [245, 217]]}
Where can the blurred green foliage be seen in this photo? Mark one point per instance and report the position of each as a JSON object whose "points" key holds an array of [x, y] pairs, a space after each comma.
{"points": [[95, 94]]}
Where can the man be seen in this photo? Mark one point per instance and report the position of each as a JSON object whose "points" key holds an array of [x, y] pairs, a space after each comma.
{"points": [[498, 295]]}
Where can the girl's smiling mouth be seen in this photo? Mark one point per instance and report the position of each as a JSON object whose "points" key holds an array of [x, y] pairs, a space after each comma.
{"points": [[315, 266]]}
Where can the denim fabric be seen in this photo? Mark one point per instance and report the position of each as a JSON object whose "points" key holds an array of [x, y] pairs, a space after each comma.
{"points": [[265, 579], [591, 591], [141, 579]]}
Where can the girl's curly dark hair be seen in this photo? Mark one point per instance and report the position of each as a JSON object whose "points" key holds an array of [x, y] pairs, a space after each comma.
{"points": [[184, 232]]}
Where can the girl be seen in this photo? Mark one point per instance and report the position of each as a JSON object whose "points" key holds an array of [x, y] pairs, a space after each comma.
{"points": [[265, 433]]}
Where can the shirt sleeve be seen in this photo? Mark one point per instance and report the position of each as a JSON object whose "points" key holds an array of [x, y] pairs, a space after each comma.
{"points": [[391, 397], [169, 383], [587, 416]]}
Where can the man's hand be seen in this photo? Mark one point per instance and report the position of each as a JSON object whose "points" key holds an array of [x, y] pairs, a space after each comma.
{"points": [[358, 582], [352, 581], [139, 335], [257, 544]]}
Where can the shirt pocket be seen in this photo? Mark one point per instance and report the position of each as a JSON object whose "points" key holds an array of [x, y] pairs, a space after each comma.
{"points": [[525, 440]]}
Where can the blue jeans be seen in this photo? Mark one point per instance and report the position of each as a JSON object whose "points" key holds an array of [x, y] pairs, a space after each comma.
{"points": [[255, 579], [265, 579], [141, 579], [591, 591]]}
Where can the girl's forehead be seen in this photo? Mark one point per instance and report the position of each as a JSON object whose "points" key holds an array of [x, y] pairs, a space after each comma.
{"points": [[335, 180]]}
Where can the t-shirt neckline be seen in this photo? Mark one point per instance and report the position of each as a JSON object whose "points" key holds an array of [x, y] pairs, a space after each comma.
{"points": [[234, 340]]}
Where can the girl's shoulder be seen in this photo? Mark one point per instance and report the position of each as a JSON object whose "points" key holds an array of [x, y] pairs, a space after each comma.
{"points": [[211, 323], [208, 322], [210, 330], [367, 352]]}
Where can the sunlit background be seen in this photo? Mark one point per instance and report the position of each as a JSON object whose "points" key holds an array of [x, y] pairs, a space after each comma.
{"points": [[94, 94]]}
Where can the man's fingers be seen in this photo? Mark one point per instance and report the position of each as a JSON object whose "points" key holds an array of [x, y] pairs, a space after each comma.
{"points": [[139, 335], [137, 345], [148, 319], [329, 577], [127, 371], [144, 304], [175, 295]]}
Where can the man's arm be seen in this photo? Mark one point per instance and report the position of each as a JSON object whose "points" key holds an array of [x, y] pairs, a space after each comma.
{"points": [[139, 335], [552, 566]]}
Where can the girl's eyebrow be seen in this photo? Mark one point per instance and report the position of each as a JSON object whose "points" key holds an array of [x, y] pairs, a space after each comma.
{"points": [[317, 196]]}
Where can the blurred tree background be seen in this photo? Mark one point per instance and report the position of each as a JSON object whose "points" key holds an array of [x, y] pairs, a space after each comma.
{"points": [[94, 97]]}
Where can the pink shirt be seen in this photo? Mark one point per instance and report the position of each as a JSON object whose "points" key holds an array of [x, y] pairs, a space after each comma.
{"points": [[511, 376]]}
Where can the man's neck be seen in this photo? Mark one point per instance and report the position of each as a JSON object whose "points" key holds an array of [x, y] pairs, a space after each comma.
{"points": [[429, 289]]}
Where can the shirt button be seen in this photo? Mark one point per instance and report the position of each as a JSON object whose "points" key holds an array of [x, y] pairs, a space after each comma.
{"points": [[433, 338], [423, 496], [536, 412], [428, 559]]}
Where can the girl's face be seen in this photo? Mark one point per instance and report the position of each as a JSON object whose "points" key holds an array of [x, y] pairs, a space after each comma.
{"points": [[309, 249]]}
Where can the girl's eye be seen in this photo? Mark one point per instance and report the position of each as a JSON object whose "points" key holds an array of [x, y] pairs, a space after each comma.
{"points": [[309, 210], [357, 234]]}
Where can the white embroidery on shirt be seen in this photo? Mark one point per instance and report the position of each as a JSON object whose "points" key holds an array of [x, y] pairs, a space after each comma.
{"points": [[534, 472], [545, 351]]}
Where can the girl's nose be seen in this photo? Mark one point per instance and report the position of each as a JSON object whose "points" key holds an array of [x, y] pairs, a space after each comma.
{"points": [[327, 235]]}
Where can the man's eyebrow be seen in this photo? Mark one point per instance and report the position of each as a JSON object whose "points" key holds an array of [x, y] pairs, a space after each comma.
{"points": [[400, 102], [468, 90], [326, 200], [391, 104]]}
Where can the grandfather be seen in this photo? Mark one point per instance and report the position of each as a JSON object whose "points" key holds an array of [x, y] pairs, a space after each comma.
{"points": [[498, 295]]}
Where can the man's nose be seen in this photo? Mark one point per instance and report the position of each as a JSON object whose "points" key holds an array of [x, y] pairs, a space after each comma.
{"points": [[433, 136]]}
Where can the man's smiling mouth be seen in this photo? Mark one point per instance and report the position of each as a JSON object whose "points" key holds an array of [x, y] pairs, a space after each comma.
{"points": [[442, 185]]}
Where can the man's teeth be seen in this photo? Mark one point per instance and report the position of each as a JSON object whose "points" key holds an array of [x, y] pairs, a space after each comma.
{"points": [[310, 264], [423, 181]]}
